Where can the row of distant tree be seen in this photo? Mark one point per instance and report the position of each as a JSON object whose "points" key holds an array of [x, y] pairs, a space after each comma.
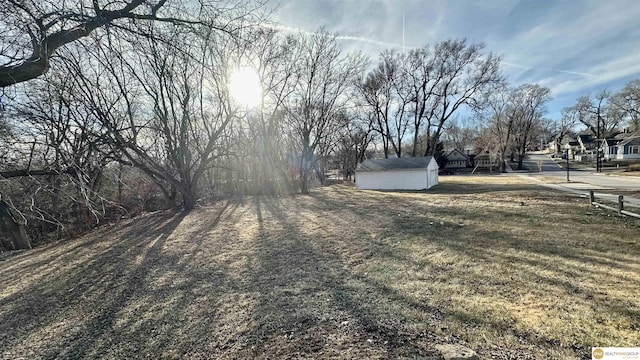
{"points": [[111, 108]]}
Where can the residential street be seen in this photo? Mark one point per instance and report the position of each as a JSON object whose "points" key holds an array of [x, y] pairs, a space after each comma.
{"points": [[548, 165], [581, 181]]}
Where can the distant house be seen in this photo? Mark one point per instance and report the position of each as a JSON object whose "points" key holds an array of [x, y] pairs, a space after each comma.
{"points": [[586, 142], [559, 144], [627, 148], [610, 148], [415, 173], [572, 143], [457, 159], [555, 146], [485, 161]]}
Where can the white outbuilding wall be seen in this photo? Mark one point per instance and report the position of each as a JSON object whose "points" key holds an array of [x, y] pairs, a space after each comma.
{"points": [[432, 175], [418, 179], [397, 174], [392, 180]]}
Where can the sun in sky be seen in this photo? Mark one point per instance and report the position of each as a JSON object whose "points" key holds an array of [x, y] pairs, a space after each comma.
{"points": [[245, 87]]}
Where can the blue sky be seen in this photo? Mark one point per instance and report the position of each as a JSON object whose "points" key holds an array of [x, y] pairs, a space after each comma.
{"points": [[574, 47]]}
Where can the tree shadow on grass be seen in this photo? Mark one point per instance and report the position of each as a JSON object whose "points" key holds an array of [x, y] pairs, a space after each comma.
{"points": [[552, 263], [310, 305], [141, 295], [273, 278], [95, 276], [454, 189]]}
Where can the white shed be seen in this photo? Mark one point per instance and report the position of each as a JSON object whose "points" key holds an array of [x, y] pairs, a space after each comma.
{"points": [[416, 173]]}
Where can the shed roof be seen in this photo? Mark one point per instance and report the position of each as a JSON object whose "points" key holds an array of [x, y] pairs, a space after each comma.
{"points": [[395, 164]]}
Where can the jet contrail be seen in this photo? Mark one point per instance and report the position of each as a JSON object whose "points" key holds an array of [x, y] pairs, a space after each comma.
{"points": [[402, 46], [552, 69], [515, 65], [576, 73], [339, 37]]}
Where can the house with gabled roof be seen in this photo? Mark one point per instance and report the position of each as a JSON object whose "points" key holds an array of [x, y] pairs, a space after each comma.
{"points": [[610, 148], [486, 160], [457, 159], [586, 142], [628, 148]]}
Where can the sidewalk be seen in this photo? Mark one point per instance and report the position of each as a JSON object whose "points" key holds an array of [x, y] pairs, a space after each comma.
{"points": [[572, 187], [582, 189]]}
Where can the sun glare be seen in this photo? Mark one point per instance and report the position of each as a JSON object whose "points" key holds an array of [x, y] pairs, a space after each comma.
{"points": [[245, 88]]}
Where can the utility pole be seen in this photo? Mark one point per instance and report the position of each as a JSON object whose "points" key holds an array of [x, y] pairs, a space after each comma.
{"points": [[598, 163], [568, 147]]}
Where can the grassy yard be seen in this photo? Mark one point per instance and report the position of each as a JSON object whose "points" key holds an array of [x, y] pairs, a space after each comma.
{"points": [[625, 173], [495, 263]]}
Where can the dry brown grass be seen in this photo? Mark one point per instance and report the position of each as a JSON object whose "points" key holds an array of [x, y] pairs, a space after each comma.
{"points": [[548, 179], [635, 173], [495, 263]]}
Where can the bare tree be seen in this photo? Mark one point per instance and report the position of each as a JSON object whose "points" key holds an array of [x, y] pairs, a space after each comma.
{"points": [[528, 102], [379, 91], [498, 109], [6, 135], [598, 114], [461, 133], [357, 135], [261, 137], [628, 101], [33, 30], [568, 120], [13, 228], [60, 158], [464, 73], [423, 78], [165, 109], [601, 116], [322, 80], [515, 119]]}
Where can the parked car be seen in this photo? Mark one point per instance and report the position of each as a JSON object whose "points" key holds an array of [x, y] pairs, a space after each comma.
{"points": [[445, 172]]}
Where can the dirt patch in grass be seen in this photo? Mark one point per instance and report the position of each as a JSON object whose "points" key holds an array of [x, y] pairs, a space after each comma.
{"points": [[495, 263]]}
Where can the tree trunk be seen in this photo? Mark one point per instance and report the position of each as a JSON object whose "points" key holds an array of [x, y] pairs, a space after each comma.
{"points": [[304, 174], [188, 201], [14, 230], [520, 160], [502, 163], [305, 164], [304, 188]]}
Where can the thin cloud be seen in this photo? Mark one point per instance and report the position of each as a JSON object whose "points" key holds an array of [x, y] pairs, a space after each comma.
{"points": [[516, 65], [552, 69], [576, 73], [569, 48], [339, 37], [370, 41]]}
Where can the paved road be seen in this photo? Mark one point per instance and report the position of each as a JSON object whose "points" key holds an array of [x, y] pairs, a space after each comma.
{"points": [[548, 165], [581, 181]]}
